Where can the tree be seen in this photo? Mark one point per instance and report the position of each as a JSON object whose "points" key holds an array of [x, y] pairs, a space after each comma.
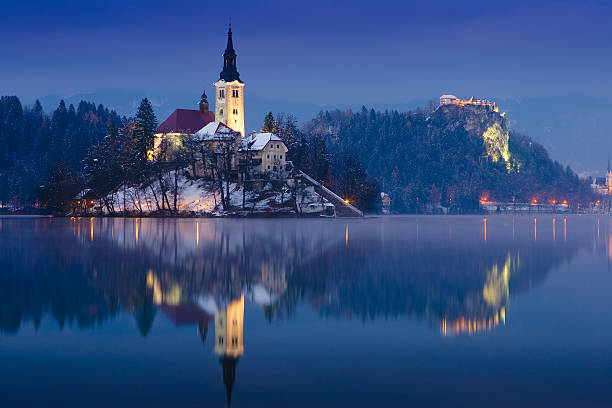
{"points": [[144, 127], [269, 125], [60, 189]]}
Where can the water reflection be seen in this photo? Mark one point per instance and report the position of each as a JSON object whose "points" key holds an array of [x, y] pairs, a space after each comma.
{"points": [[137, 264], [456, 275]]}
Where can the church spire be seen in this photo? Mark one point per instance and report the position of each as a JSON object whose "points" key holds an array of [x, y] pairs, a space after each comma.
{"points": [[229, 73]]}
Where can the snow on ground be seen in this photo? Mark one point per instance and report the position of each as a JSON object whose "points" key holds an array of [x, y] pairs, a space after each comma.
{"points": [[197, 196]]}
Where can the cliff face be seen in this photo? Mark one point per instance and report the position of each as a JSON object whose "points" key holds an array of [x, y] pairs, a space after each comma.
{"points": [[478, 122]]}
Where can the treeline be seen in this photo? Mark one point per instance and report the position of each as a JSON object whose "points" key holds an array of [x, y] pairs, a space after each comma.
{"points": [[342, 173], [429, 158], [34, 144]]}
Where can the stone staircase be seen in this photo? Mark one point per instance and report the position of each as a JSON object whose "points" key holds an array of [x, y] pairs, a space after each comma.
{"points": [[343, 209]]}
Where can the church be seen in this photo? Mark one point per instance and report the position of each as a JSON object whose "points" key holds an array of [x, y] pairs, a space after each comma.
{"points": [[226, 123]]}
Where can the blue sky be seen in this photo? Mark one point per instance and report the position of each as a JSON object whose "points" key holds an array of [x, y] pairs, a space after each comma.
{"points": [[323, 52]]}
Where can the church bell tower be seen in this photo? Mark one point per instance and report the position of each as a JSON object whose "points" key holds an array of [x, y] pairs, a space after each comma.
{"points": [[229, 99]]}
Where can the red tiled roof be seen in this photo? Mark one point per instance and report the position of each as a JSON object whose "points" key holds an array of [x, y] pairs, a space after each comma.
{"points": [[185, 121]]}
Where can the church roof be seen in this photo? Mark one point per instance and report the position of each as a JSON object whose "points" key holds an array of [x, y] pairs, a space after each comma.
{"points": [[185, 121], [229, 72], [216, 131]]}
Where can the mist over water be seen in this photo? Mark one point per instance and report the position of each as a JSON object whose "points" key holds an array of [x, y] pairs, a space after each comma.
{"points": [[391, 311]]}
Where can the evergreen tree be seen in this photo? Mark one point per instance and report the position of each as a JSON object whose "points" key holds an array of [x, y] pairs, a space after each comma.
{"points": [[269, 125], [145, 125]]}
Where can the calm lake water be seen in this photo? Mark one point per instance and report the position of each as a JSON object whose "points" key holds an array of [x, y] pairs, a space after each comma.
{"points": [[385, 312]]}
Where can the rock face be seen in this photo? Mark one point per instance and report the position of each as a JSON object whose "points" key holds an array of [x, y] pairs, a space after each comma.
{"points": [[478, 122]]}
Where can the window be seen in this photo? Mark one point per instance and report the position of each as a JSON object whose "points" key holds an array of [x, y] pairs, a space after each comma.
{"points": [[235, 111], [234, 341], [235, 93], [268, 167], [220, 340], [274, 157], [278, 146], [280, 157], [267, 156], [220, 112], [221, 93]]}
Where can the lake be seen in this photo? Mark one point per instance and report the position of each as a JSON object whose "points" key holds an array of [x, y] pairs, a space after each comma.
{"points": [[387, 312]]}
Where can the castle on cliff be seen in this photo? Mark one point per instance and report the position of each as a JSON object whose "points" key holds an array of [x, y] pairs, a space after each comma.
{"points": [[453, 100]]}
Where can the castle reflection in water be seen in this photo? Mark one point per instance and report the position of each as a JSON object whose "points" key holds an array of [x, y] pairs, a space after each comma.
{"points": [[456, 276]]}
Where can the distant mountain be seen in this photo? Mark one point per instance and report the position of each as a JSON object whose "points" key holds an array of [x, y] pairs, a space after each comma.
{"points": [[575, 130]]}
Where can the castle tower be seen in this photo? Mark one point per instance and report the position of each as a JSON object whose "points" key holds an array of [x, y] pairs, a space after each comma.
{"points": [[229, 105]]}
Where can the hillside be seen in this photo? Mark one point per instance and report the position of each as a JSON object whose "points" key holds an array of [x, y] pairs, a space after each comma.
{"points": [[452, 156]]}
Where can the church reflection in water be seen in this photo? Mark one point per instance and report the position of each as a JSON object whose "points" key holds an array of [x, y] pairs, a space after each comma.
{"points": [[228, 322], [83, 272]]}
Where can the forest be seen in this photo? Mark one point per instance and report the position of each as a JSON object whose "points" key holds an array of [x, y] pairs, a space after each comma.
{"points": [[443, 157], [47, 159], [425, 159]]}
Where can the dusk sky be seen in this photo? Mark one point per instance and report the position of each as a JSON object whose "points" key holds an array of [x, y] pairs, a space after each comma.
{"points": [[320, 52]]}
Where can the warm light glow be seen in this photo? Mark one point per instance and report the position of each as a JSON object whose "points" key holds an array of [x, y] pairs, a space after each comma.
{"points": [[485, 228], [346, 200], [535, 229], [564, 203], [496, 289], [534, 201], [229, 329], [346, 235]]}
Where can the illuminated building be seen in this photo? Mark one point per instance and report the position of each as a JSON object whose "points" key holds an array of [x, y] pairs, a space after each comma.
{"points": [[266, 151], [453, 100], [603, 185], [181, 124], [229, 105]]}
